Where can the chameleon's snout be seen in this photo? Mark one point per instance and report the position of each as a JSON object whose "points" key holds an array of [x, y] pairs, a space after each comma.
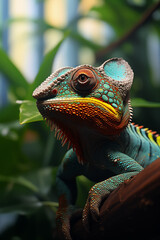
{"points": [[48, 88]]}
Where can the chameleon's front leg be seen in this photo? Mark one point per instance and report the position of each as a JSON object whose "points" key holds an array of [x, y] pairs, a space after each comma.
{"points": [[120, 164], [67, 191]]}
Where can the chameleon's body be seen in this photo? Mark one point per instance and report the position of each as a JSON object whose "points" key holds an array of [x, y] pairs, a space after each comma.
{"points": [[90, 109]]}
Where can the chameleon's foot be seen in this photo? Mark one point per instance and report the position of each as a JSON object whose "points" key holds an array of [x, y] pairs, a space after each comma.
{"points": [[100, 191], [91, 209]]}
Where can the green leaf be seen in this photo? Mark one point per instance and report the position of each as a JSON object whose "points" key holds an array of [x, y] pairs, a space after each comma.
{"points": [[51, 205], [46, 66], [9, 130], [41, 23], [9, 113], [139, 102], [85, 41], [29, 112], [84, 185], [117, 13], [19, 180], [27, 193], [17, 81], [43, 179], [27, 207]]}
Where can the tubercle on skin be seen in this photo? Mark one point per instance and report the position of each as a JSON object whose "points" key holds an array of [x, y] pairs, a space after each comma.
{"points": [[102, 107], [95, 122], [74, 101], [95, 113], [103, 91]]}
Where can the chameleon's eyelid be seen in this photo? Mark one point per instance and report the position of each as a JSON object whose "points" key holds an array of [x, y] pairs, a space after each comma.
{"points": [[81, 75], [87, 72]]}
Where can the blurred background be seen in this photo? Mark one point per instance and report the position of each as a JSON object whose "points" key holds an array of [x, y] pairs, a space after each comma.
{"points": [[96, 31]]}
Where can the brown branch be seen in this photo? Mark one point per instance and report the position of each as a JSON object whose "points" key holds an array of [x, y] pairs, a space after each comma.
{"points": [[146, 16], [131, 211]]}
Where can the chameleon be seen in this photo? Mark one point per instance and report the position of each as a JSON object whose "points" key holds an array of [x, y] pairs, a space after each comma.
{"points": [[90, 110]]}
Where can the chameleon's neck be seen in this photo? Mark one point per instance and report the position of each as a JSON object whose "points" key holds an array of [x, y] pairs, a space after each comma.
{"points": [[134, 140], [91, 144]]}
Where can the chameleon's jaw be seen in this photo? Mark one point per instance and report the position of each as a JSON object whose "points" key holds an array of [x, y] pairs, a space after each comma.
{"points": [[95, 114]]}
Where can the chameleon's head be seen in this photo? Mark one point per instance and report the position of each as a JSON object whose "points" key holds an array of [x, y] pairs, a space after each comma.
{"points": [[86, 97]]}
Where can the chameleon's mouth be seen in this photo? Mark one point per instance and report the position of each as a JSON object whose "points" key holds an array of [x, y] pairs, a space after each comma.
{"points": [[60, 103], [90, 110]]}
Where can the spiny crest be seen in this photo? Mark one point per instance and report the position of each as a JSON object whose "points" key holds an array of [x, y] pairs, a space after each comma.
{"points": [[130, 110], [59, 133], [64, 137], [147, 133]]}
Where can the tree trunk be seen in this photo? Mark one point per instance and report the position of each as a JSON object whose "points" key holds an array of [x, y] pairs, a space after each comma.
{"points": [[132, 211]]}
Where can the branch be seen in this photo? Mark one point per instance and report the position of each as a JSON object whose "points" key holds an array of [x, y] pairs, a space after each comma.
{"points": [[146, 16], [131, 211]]}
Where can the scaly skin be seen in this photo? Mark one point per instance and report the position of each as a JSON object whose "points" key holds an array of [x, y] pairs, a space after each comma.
{"points": [[90, 109]]}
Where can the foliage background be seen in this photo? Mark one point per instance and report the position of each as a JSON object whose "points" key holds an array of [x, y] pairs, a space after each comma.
{"points": [[30, 153]]}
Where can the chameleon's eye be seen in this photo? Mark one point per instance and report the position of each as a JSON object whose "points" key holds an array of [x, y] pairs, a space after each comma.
{"points": [[83, 80]]}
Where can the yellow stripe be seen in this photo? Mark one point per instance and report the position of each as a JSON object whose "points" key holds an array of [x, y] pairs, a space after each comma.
{"points": [[77, 100], [158, 140], [138, 131], [150, 135]]}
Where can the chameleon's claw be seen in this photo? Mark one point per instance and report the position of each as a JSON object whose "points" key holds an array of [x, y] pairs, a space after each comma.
{"points": [[66, 231]]}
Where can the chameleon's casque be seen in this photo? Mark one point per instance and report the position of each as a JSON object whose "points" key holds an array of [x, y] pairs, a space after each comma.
{"points": [[89, 108]]}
